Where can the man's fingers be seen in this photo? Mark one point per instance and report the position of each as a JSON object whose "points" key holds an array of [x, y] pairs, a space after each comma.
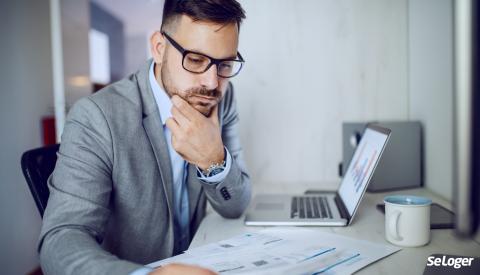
{"points": [[172, 125], [214, 115], [176, 132], [184, 107], [179, 116], [175, 143]]}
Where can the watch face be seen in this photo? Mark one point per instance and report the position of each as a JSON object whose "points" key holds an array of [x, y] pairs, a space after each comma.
{"points": [[215, 171]]}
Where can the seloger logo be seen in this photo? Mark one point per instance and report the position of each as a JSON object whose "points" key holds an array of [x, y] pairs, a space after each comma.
{"points": [[451, 264], [444, 261]]}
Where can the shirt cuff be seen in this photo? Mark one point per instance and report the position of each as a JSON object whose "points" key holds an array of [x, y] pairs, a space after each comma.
{"points": [[142, 271], [220, 176]]}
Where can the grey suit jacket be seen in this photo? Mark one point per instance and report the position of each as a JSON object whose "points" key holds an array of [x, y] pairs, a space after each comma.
{"points": [[110, 205]]}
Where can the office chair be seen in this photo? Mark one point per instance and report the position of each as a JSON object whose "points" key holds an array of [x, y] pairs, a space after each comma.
{"points": [[37, 165]]}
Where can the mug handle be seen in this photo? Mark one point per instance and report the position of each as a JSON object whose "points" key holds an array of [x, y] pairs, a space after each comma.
{"points": [[393, 225]]}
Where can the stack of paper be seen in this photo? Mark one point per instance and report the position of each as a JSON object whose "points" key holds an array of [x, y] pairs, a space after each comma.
{"points": [[284, 251]]}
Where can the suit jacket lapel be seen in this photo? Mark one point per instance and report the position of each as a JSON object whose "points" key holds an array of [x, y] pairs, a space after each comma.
{"points": [[194, 187], [153, 127]]}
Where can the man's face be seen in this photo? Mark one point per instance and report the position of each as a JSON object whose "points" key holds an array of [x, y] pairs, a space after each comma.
{"points": [[203, 91]]}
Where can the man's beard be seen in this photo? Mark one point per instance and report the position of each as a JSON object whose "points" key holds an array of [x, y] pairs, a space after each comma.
{"points": [[191, 95]]}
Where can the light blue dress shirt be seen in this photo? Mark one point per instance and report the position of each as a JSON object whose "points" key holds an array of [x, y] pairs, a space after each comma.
{"points": [[179, 170]]}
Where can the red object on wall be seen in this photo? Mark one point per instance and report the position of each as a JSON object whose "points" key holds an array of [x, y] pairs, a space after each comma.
{"points": [[48, 128]]}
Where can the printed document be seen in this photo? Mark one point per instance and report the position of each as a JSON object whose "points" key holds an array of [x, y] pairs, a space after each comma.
{"points": [[284, 251]]}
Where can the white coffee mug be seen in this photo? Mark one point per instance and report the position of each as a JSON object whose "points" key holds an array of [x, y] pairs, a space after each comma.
{"points": [[407, 220]]}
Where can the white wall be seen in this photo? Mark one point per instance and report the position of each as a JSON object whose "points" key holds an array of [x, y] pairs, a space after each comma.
{"points": [[137, 50], [310, 65], [313, 64], [25, 96], [431, 86], [75, 28]]}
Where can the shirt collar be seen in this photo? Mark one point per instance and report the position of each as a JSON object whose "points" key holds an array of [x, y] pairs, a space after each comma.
{"points": [[163, 101]]}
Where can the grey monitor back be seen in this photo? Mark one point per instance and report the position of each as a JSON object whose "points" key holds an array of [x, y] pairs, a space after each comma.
{"points": [[401, 165]]}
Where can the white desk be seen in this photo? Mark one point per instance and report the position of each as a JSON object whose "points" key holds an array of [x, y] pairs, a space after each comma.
{"points": [[367, 225]]}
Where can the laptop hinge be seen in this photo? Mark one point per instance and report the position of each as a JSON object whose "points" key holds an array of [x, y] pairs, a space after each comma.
{"points": [[341, 207]]}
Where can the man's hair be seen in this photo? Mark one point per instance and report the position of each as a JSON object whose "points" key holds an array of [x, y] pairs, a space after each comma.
{"points": [[217, 11]]}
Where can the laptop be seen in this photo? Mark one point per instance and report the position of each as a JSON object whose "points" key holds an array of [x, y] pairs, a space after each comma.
{"points": [[325, 208]]}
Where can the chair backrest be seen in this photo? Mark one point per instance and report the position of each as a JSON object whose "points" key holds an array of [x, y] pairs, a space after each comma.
{"points": [[37, 166]]}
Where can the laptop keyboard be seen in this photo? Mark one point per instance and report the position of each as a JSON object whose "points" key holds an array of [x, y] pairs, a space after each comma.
{"points": [[310, 208]]}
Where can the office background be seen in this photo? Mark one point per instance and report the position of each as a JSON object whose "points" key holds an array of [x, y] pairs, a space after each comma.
{"points": [[310, 66]]}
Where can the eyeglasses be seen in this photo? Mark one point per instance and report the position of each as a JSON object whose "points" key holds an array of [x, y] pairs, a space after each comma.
{"points": [[198, 63]]}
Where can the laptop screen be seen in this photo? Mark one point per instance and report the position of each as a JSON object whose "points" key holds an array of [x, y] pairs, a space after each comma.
{"points": [[361, 167]]}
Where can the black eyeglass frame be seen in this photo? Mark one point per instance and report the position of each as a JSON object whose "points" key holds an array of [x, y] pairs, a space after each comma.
{"points": [[213, 61]]}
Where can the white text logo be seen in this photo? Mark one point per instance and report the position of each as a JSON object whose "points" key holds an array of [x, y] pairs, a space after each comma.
{"points": [[455, 262]]}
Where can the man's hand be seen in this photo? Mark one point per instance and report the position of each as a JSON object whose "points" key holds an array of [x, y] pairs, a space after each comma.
{"points": [[181, 269], [195, 137]]}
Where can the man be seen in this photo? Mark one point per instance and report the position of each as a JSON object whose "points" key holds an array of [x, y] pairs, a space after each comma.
{"points": [[139, 159]]}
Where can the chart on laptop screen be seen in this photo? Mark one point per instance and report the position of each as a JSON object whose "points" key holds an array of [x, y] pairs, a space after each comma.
{"points": [[361, 167]]}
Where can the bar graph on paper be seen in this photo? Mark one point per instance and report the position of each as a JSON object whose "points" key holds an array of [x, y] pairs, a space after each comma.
{"points": [[361, 166]]}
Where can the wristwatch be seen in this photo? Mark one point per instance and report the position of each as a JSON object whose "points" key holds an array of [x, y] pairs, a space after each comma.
{"points": [[214, 169]]}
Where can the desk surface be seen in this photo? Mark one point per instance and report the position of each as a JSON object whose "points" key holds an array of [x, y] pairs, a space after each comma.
{"points": [[367, 225]]}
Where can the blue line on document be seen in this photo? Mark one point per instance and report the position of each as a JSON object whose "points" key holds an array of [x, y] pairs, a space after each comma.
{"points": [[272, 241], [335, 264], [231, 269], [316, 255]]}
